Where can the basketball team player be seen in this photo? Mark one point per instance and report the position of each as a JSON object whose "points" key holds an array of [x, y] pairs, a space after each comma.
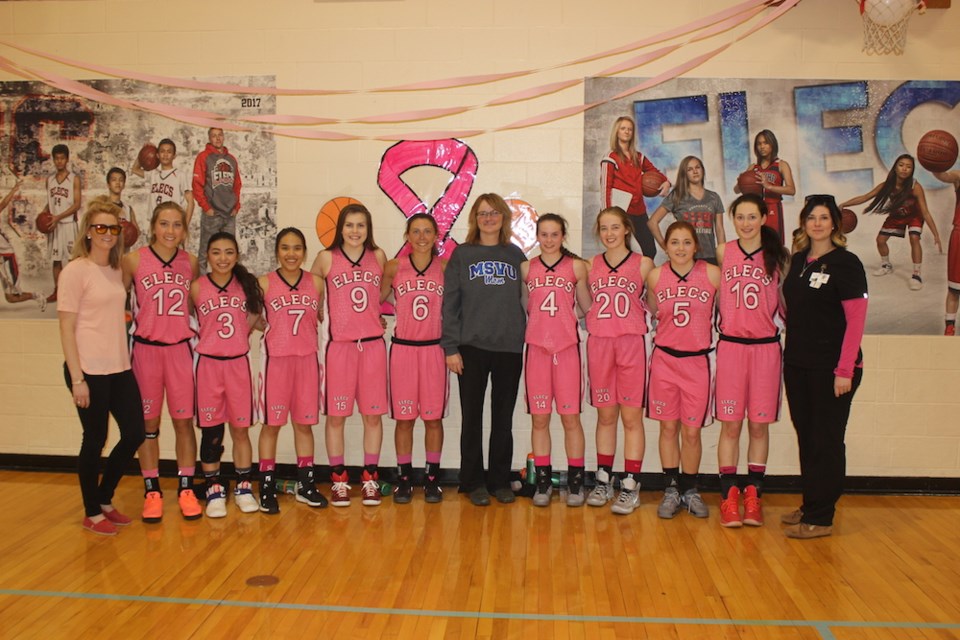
{"points": [[356, 354], [161, 273], [774, 177], [749, 356], [617, 322], [682, 293], [953, 256], [419, 381], [63, 202], [116, 181], [167, 182], [556, 282], [9, 269], [290, 368], [903, 200], [228, 302]]}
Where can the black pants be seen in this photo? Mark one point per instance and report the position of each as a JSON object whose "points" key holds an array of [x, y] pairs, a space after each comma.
{"points": [[648, 244], [503, 369], [119, 395], [820, 420]]}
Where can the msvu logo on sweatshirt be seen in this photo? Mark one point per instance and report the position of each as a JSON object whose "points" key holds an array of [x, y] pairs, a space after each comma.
{"points": [[492, 271]]}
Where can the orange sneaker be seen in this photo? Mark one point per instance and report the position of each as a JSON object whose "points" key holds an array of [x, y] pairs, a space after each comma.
{"points": [[752, 509], [189, 505], [152, 507], [730, 509]]}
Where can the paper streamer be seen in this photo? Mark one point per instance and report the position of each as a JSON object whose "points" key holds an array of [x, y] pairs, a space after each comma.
{"points": [[449, 154]]}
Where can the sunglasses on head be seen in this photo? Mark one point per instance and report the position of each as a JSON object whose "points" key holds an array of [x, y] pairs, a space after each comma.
{"points": [[101, 229], [823, 198]]}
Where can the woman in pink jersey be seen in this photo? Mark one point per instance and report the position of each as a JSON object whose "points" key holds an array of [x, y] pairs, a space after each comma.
{"points": [[556, 282], [96, 363], [682, 293], [356, 355], [617, 356], [161, 274], [749, 357], [228, 302], [905, 203], [774, 178], [419, 382], [290, 368]]}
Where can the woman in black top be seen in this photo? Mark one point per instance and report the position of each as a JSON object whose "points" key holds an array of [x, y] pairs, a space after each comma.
{"points": [[825, 292]]}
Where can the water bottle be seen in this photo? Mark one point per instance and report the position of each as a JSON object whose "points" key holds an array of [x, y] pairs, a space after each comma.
{"points": [[286, 486], [531, 469]]}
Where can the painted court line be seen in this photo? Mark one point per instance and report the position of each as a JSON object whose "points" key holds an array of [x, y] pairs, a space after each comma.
{"points": [[823, 627]]}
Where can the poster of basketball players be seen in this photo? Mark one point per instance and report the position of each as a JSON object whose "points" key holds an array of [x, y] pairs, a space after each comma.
{"points": [[56, 151], [838, 137]]}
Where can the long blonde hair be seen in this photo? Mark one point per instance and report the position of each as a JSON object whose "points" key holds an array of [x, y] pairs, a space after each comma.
{"points": [[81, 248], [631, 146], [498, 204]]}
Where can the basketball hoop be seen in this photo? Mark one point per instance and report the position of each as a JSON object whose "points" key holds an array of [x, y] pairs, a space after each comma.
{"points": [[885, 24]]}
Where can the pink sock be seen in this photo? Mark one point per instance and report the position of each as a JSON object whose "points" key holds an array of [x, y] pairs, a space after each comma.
{"points": [[757, 468], [304, 461], [336, 461], [541, 461], [268, 464], [632, 466], [187, 471], [405, 458], [371, 459], [728, 471], [150, 473], [604, 460], [575, 462], [433, 457]]}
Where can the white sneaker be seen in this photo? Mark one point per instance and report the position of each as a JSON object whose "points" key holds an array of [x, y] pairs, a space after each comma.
{"points": [[628, 499], [884, 269], [216, 502], [41, 299], [916, 283], [244, 499], [603, 491]]}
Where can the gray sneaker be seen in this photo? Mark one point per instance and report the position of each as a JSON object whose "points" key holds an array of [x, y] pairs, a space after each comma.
{"points": [[575, 493], [695, 504], [542, 497], [628, 499], [670, 504], [603, 492]]}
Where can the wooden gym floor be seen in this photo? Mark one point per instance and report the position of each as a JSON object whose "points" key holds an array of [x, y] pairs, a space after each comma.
{"points": [[891, 571]]}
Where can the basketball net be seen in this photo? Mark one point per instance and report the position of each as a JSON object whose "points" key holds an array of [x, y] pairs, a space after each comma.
{"points": [[885, 25]]}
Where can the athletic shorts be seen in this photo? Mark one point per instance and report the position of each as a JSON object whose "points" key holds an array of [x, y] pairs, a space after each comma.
{"points": [[289, 389], [617, 370], [680, 389], [898, 227], [552, 377], [60, 241], [419, 382], [953, 260], [160, 369], [224, 391], [356, 373], [774, 218], [748, 381]]}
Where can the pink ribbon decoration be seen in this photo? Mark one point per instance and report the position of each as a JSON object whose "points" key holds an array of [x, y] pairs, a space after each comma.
{"points": [[451, 155]]}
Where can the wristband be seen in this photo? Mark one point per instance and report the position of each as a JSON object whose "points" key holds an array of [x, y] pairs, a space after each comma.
{"points": [[76, 382]]}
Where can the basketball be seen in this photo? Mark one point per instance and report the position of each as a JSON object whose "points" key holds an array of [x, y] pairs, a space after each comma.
{"points": [[130, 233], [651, 182], [148, 157], [327, 218], [523, 223], [848, 220], [45, 223], [747, 181], [937, 151]]}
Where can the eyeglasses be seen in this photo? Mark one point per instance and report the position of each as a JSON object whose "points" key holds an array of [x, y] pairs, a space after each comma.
{"points": [[489, 214], [824, 198], [101, 229]]}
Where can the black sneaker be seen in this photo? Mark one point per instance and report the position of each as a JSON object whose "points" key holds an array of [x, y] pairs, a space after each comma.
{"points": [[268, 501], [403, 492], [432, 492], [307, 493]]}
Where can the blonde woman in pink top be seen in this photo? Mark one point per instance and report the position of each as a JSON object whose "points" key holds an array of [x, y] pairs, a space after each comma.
{"points": [[97, 363]]}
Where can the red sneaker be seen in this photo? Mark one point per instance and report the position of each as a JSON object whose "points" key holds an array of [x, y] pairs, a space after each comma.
{"points": [[730, 509], [189, 505], [117, 518], [752, 509], [103, 528], [339, 490], [152, 507], [950, 330], [370, 489]]}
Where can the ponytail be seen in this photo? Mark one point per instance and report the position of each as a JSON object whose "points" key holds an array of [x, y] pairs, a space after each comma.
{"points": [[251, 287], [774, 253]]}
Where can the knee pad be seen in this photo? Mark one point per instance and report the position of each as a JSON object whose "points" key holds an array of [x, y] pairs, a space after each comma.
{"points": [[211, 444], [151, 435]]}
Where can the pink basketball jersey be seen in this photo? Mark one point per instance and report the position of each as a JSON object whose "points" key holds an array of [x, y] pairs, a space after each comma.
{"points": [[419, 301], [291, 313], [551, 304], [161, 294], [224, 331], [685, 308], [749, 298], [353, 297], [618, 307]]}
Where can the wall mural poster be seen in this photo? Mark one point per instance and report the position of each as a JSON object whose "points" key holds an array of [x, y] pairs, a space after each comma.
{"points": [[839, 137], [34, 118]]}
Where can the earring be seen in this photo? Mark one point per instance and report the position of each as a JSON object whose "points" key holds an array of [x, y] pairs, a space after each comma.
{"points": [[89, 237]]}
